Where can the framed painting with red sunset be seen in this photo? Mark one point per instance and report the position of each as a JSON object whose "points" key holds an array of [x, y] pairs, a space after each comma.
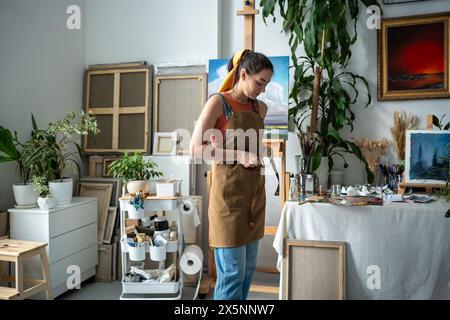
{"points": [[413, 57]]}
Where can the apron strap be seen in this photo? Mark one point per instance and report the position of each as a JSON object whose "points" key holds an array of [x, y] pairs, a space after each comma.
{"points": [[255, 106], [226, 108]]}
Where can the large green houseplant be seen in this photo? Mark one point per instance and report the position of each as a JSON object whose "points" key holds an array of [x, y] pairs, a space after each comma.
{"points": [[49, 151], [323, 90]]}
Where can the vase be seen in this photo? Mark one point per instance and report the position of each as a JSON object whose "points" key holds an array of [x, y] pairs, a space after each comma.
{"points": [[62, 190], [135, 186], [46, 203], [134, 213], [25, 195]]}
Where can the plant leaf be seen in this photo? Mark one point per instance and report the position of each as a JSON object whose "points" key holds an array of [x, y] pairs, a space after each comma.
{"points": [[436, 122]]}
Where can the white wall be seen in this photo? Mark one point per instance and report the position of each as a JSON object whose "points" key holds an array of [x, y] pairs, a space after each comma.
{"points": [[42, 64], [151, 30]]}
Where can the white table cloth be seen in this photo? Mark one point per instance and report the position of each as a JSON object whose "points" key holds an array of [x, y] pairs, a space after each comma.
{"points": [[409, 242]]}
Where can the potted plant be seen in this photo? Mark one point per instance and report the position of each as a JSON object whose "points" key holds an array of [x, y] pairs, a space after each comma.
{"points": [[323, 90], [48, 152], [46, 200], [24, 193], [135, 172]]}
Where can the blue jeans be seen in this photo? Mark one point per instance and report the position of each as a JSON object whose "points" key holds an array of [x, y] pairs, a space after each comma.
{"points": [[235, 268]]}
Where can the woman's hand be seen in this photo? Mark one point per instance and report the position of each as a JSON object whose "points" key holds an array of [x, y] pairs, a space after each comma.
{"points": [[247, 159]]}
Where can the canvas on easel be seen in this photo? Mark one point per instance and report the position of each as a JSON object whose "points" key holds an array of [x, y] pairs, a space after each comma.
{"points": [[426, 160]]}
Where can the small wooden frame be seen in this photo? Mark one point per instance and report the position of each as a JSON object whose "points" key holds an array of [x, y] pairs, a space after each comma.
{"points": [[165, 144], [95, 166], [101, 191], [106, 162], [109, 225], [314, 270]]}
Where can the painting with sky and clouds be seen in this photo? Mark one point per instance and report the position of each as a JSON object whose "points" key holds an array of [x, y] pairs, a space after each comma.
{"points": [[427, 153], [276, 95]]}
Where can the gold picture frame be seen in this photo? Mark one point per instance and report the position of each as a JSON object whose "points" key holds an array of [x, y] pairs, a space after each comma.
{"points": [[413, 57]]}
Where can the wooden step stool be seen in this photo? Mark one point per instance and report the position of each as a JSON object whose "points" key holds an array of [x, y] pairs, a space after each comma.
{"points": [[17, 251]]}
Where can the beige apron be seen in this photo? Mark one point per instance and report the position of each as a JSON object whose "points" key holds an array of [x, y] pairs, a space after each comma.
{"points": [[237, 199]]}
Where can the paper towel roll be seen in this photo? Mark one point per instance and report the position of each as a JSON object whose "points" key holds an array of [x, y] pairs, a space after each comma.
{"points": [[189, 208], [191, 261]]}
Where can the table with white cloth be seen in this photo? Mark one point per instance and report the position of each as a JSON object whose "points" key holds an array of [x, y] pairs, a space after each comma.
{"points": [[409, 242]]}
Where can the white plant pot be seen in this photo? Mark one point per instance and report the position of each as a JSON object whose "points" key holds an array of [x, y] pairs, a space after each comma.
{"points": [[46, 203], [158, 253], [136, 253], [134, 186], [62, 191], [322, 173], [134, 213], [25, 195]]}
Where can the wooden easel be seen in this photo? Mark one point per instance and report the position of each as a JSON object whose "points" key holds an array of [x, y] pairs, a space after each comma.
{"points": [[249, 12], [428, 187]]}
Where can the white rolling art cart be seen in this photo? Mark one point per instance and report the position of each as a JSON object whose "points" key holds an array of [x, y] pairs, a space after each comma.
{"points": [[151, 290]]}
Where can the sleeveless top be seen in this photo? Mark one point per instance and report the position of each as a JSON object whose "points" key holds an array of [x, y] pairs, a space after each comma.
{"points": [[236, 106]]}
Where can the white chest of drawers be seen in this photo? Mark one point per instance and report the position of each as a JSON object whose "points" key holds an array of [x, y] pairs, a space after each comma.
{"points": [[71, 234]]}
